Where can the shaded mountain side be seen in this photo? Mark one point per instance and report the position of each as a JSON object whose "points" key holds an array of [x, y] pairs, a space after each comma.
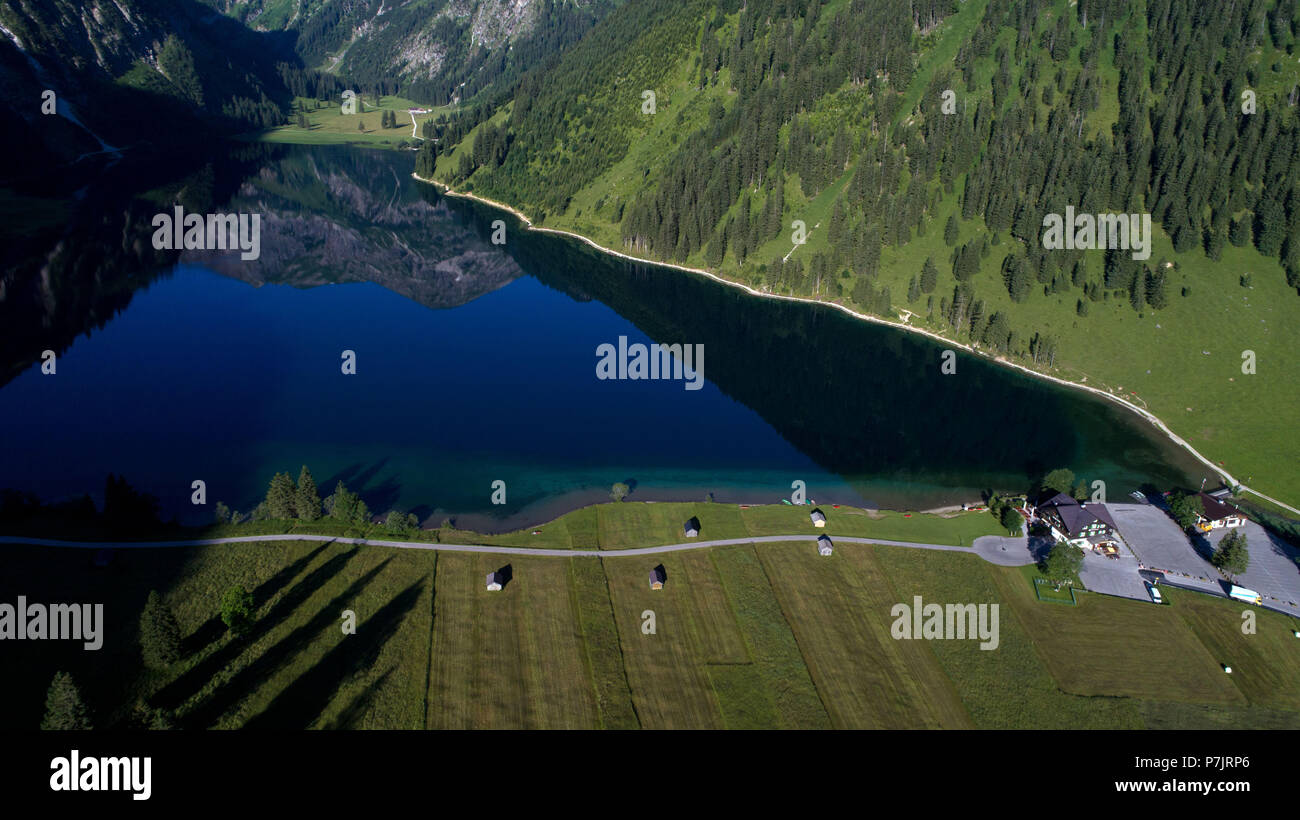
{"points": [[153, 74]]}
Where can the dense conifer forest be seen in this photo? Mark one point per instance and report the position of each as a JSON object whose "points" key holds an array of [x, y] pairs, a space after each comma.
{"points": [[844, 104]]}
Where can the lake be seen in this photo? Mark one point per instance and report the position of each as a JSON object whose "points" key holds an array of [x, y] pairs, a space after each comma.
{"points": [[477, 363]]}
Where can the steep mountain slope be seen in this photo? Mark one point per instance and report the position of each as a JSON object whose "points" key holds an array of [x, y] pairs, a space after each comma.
{"points": [[129, 71], [921, 145], [437, 51]]}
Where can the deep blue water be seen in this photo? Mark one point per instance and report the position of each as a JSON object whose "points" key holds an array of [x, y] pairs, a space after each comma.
{"points": [[477, 363]]}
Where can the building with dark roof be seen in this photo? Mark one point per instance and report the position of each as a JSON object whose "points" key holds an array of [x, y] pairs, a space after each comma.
{"points": [[658, 576], [692, 527], [1217, 514], [1083, 525], [824, 545]]}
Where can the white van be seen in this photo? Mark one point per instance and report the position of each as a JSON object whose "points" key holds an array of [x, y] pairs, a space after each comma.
{"points": [[1155, 594]]}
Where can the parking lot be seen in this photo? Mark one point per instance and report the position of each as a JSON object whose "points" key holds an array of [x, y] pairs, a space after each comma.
{"points": [[1113, 576], [1158, 542], [1273, 571]]}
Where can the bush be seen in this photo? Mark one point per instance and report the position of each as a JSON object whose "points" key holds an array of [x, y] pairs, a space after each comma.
{"points": [[237, 609]]}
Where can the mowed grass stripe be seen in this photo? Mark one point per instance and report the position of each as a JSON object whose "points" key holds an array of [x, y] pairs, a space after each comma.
{"points": [[554, 661], [626, 525], [1008, 687], [507, 659], [743, 697], [772, 645], [839, 609], [719, 640], [583, 529], [1116, 646], [590, 592], [669, 687], [476, 682], [1265, 665]]}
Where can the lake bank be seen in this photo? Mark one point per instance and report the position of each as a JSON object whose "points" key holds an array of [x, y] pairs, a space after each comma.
{"points": [[1142, 412]]}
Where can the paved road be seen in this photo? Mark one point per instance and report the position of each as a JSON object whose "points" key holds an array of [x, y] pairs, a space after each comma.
{"points": [[985, 545]]}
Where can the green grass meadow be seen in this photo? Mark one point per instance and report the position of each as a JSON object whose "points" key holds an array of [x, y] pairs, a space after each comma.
{"points": [[766, 635]]}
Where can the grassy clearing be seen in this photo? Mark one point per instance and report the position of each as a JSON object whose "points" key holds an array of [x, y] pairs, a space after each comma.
{"points": [[958, 529], [328, 125], [508, 659], [1046, 590], [1115, 646], [745, 637], [839, 609], [743, 697], [627, 524], [1265, 665], [670, 689], [624, 525], [772, 645], [1009, 687], [601, 643]]}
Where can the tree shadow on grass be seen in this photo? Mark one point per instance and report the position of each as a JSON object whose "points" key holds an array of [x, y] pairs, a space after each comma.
{"points": [[304, 699], [193, 679], [213, 628], [356, 709], [246, 680]]}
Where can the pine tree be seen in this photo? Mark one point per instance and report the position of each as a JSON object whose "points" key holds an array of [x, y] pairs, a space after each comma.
{"points": [[64, 709], [1137, 292], [929, 276], [426, 159], [1155, 286], [281, 497], [1239, 232], [950, 232], [307, 500], [160, 634]]}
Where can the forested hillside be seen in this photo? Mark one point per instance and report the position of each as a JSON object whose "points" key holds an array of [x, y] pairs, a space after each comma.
{"points": [[129, 72], [921, 145]]}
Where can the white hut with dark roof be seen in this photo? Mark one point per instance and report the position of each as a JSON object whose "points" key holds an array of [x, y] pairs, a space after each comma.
{"points": [[494, 580], [824, 545], [657, 577]]}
